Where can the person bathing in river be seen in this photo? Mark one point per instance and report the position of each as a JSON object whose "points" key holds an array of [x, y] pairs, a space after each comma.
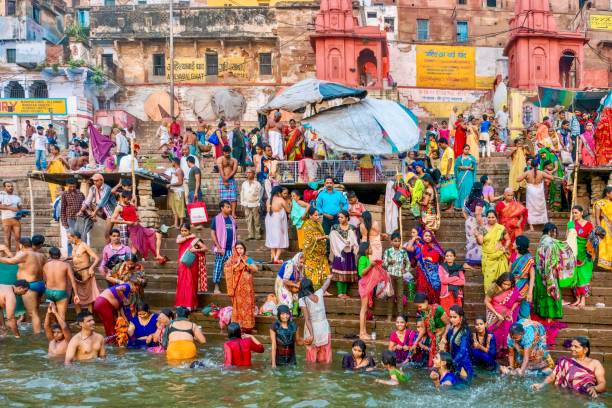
{"points": [[238, 348], [396, 376], [443, 372], [484, 350], [58, 333], [87, 344], [57, 274], [8, 301], [358, 360]]}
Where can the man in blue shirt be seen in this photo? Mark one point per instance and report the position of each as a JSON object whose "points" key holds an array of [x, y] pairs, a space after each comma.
{"points": [[329, 203]]}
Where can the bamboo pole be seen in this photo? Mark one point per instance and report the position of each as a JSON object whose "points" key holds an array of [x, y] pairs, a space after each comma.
{"points": [[133, 170], [576, 168], [31, 207]]}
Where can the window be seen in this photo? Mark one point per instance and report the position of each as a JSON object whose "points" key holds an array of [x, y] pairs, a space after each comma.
{"points": [[159, 64], [265, 63], [142, 2], [11, 55], [463, 2], [38, 89], [14, 90], [82, 17], [109, 3], [107, 61], [462, 31], [36, 14], [422, 29], [491, 3], [11, 9], [390, 24], [372, 14], [212, 64]]}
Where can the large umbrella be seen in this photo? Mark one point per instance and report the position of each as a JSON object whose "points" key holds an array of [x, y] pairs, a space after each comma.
{"points": [[310, 91], [370, 126]]}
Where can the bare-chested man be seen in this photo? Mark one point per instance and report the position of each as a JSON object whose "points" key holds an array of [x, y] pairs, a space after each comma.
{"points": [[84, 261], [30, 264], [57, 274], [228, 188], [58, 333], [10, 203], [87, 344], [8, 302], [536, 196], [190, 140]]}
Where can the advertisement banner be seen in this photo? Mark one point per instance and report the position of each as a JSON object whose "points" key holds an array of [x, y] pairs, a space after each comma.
{"points": [[441, 66], [33, 107]]}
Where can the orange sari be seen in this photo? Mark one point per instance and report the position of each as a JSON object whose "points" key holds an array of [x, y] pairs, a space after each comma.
{"points": [[293, 149], [240, 289], [603, 139], [509, 214]]}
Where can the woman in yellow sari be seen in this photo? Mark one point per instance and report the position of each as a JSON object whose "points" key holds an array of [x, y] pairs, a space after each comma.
{"points": [[495, 250], [603, 218], [57, 164], [517, 152], [473, 136], [316, 265]]}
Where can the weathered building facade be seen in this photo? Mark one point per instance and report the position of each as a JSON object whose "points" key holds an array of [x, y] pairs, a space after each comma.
{"points": [[228, 61]]}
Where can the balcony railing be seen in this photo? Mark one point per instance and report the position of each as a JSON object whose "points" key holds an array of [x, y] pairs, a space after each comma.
{"points": [[342, 171]]}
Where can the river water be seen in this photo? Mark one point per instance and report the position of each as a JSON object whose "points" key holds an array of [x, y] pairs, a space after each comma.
{"points": [[132, 379]]}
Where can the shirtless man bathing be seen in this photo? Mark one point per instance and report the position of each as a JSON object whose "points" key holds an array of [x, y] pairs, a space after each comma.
{"points": [[30, 264], [8, 301], [57, 274], [228, 188], [58, 333], [87, 344]]}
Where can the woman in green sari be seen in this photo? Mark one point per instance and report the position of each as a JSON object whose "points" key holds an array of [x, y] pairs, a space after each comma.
{"points": [[549, 163], [583, 231], [555, 263]]}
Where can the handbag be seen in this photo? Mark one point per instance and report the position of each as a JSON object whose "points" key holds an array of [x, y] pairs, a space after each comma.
{"points": [[448, 191], [197, 213], [188, 258], [400, 197], [213, 139], [566, 157]]}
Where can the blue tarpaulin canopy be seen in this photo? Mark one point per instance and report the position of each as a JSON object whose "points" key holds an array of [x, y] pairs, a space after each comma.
{"points": [[370, 126], [310, 91]]}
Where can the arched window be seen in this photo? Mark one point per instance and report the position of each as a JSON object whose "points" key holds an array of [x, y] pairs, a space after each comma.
{"points": [[368, 68], [38, 89], [14, 90], [567, 70], [539, 62], [335, 64]]}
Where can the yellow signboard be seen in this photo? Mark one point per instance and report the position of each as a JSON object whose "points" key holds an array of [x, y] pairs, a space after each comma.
{"points": [[441, 66], [194, 69], [33, 107], [187, 69], [600, 21]]}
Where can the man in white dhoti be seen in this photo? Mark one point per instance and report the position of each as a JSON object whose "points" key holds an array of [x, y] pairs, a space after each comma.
{"points": [[536, 198]]}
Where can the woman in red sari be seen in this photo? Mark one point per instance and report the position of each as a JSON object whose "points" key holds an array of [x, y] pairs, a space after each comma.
{"points": [[191, 269], [294, 148], [460, 137], [603, 139], [512, 215], [238, 271], [426, 252]]}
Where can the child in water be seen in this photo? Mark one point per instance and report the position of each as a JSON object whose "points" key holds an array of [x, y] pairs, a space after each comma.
{"points": [[442, 374], [396, 376]]}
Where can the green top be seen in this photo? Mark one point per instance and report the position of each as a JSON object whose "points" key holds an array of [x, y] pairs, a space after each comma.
{"points": [[399, 374], [363, 263], [437, 318]]}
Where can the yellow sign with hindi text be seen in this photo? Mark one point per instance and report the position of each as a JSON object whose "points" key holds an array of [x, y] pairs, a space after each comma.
{"points": [[442, 66], [187, 69], [33, 107], [600, 21]]}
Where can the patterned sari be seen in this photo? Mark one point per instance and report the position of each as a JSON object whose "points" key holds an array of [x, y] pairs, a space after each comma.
{"points": [[572, 375], [473, 252], [603, 138], [509, 216], [316, 265], [506, 304], [240, 289], [428, 258], [555, 187], [520, 272], [605, 245], [293, 149], [555, 264], [584, 260]]}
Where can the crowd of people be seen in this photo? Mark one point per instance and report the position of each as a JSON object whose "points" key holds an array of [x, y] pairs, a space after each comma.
{"points": [[338, 240]]}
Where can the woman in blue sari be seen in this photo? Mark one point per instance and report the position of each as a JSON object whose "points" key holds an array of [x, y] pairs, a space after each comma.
{"points": [[425, 251], [458, 339], [465, 171], [484, 348]]}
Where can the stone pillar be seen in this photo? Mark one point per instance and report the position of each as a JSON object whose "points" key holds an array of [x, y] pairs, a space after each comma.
{"points": [[147, 211]]}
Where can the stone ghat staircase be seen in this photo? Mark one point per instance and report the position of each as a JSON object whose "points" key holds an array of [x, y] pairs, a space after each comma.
{"points": [[343, 314]]}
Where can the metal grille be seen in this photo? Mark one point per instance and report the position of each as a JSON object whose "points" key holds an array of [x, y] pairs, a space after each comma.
{"points": [[342, 171], [38, 89], [14, 90]]}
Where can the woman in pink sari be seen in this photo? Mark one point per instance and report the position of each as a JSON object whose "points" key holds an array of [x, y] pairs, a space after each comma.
{"points": [[371, 273], [502, 301], [587, 154], [191, 269], [580, 373]]}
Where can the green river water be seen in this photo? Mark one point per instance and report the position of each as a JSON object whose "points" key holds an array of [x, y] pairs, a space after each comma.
{"points": [[132, 379]]}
